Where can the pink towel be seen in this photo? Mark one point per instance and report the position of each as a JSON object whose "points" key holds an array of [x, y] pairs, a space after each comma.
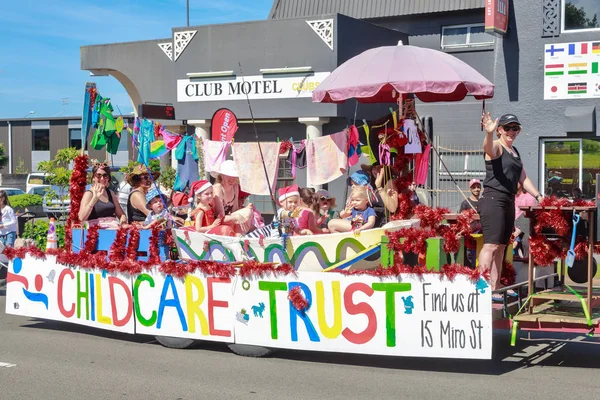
{"points": [[250, 167], [422, 166], [214, 154], [326, 158]]}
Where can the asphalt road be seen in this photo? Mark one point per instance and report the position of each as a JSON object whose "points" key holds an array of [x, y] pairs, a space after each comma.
{"points": [[50, 360]]}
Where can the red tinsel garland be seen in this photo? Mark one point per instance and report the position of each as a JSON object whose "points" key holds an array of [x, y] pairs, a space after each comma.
{"points": [[296, 297], [118, 250], [581, 248], [91, 239], [430, 217], [544, 251], [134, 243], [154, 241], [414, 240], [509, 275], [405, 207]]}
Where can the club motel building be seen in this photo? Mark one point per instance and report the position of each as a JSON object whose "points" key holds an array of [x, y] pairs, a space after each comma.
{"points": [[543, 57]]}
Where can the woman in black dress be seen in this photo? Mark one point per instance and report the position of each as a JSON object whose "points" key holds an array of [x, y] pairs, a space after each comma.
{"points": [[503, 173]]}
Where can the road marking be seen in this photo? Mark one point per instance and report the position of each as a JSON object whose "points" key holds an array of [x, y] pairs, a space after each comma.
{"points": [[7, 365]]}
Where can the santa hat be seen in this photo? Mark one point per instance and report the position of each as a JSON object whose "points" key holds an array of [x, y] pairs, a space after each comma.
{"points": [[288, 191], [199, 187]]}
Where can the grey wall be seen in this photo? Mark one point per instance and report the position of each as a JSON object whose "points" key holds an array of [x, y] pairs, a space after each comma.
{"points": [[59, 136], [519, 77]]}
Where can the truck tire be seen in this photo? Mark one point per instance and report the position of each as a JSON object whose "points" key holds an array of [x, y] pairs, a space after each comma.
{"points": [[250, 351], [175, 343]]}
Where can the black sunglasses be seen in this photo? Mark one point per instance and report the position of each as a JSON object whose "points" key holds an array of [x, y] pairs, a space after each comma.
{"points": [[514, 128], [325, 198]]}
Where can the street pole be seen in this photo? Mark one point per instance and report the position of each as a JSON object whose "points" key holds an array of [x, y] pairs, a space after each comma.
{"points": [[187, 12]]}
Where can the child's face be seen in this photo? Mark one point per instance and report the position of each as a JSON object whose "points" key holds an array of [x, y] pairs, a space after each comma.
{"points": [[325, 204], [205, 197], [156, 205], [359, 202], [290, 203]]}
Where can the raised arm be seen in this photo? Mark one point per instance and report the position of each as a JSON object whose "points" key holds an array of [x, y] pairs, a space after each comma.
{"points": [[490, 147]]}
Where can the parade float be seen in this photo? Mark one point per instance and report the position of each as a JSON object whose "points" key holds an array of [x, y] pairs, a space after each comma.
{"points": [[401, 289]]}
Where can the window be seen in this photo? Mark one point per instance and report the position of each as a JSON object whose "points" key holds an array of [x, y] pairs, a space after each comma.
{"points": [[41, 139], [75, 138], [465, 36], [578, 15], [569, 167]]}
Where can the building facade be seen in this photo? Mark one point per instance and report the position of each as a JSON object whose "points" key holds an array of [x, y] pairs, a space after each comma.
{"points": [[27, 141]]}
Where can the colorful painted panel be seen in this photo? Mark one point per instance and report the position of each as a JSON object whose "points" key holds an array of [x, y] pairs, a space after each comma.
{"points": [[45, 289], [401, 316]]}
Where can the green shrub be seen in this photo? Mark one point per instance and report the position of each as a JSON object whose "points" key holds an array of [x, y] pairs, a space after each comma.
{"points": [[25, 200], [38, 231]]}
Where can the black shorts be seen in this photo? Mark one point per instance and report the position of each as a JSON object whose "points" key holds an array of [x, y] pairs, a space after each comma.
{"points": [[497, 213]]}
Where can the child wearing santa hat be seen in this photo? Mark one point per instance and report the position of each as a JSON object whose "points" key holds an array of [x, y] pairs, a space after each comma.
{"points": [[204, 212]]}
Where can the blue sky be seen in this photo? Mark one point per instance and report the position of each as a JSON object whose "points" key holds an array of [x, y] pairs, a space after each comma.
{"points": [[39, 44]]}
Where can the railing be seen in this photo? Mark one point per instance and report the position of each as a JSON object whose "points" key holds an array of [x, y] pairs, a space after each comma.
{"points": [[517, 288]]}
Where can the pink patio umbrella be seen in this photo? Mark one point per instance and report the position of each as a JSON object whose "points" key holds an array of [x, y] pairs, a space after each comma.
{"points": [[379, 75]]}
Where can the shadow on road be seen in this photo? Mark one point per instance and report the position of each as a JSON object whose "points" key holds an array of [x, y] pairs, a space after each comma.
{"points": [[535, 350]]}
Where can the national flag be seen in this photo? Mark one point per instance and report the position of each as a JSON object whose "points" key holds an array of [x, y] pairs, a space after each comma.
{"points": [[554, 69], [583, 48], [578, 68], [577, 88], [596, 48], [594, 68], [553, 50]]}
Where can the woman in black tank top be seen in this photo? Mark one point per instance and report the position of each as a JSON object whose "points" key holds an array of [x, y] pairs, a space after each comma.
{"points": [[100, 203], [140, 182], [503, 172]]}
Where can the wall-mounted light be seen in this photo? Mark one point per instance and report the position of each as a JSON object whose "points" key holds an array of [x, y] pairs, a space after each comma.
{"points": [[259, 121], [210, 74], [286, 70]]}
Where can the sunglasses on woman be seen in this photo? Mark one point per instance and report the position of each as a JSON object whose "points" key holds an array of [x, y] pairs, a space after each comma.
{"points": [[325, 199], [101, 176], [514, 128]]}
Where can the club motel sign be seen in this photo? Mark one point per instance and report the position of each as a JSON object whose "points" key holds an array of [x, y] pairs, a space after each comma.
{"points": [[496, 16]]}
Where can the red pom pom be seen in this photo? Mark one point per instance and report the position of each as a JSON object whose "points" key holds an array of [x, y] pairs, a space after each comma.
{"points": [[296, 297], [509, 275]]}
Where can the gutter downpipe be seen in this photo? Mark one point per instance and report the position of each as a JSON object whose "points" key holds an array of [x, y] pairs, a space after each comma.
{"points": [[10, 147]]}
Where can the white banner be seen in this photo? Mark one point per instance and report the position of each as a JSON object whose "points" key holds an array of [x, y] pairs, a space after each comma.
{"points": [[45, 289], [571, 70], [195, 307], [410, 316], [256, 87]]}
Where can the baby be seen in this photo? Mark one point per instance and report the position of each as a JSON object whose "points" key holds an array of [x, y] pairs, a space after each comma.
{"points": [[155, 201], [358, 215]]}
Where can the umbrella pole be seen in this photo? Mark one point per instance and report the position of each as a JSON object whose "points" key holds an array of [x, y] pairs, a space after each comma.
{"points": [[442, 161]]}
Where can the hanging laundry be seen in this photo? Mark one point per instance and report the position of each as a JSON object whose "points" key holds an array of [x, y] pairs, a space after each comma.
{"points": [[354, 149], [106, 131], [250, 167], [327, 158], [171, 139], [297, 156], [412, 133], [145, 138], [214, 154], [422, 166], [187, 163]]}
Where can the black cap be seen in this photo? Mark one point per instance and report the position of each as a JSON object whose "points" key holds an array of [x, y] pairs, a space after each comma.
{"points": [[508, 119]]}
